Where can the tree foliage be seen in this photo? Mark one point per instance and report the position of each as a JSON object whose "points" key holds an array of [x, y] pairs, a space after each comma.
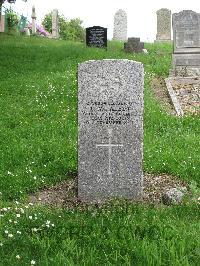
{"points": [[68, 29]]}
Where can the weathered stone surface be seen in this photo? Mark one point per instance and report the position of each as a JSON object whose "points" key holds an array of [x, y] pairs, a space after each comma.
{"points": [[120, 26], [2, 23], [163, 25], [134, 45], [55, 29], [110, 129], [186, 32], [173, 196]]}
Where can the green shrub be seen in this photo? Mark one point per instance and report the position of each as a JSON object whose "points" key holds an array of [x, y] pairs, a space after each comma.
{"points": [[68, 29]]}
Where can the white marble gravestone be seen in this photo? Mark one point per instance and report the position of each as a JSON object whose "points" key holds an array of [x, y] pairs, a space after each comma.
{"points": [[110, 129], [55, 31], [120, 26], [163, 25]]}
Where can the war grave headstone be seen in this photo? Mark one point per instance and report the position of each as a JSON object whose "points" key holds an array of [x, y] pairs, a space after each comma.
{"points": [[186, 43], [96, 36], [120, 26], [55, 31], [134, 46], [163, 25], [110, 130], [2, 23]]}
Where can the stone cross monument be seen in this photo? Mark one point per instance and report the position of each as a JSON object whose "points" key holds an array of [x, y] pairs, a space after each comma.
{"points": [[55, 29], [33, 16]]}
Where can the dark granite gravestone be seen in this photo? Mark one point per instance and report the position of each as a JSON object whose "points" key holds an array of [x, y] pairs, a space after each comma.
{"points": [[186, 40], [96, 36], [134, 45], [110, 130]]}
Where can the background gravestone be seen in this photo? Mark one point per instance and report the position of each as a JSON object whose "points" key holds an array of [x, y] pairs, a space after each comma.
{"points": [[2, 23], [134, 46], [55, 33], [96, 36], [120, 26], [163, 25], [186, 42], [33, 16], [110, 129]]}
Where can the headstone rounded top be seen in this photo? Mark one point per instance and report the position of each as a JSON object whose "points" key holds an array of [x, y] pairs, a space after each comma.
{"points": [[185, 15], [121, 12], [163, 10]]}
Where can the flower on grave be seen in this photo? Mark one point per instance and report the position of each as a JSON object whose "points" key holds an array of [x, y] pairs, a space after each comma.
{"points": [[39, 30]]}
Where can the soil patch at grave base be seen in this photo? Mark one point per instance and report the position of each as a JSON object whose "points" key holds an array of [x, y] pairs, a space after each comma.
{"points": [[64, 194], [160, 93], [187, 91]]}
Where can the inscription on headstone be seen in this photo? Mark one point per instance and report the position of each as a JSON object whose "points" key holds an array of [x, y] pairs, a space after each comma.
{"points": [[110, 129], [96, 36], [186, 29]]}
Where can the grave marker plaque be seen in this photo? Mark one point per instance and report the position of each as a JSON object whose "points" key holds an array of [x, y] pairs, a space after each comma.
{"points": [[110, 129], [96, 36]]}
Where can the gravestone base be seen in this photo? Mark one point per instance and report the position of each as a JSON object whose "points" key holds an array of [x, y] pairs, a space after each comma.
{"points": [[185, 65], [183, 71], [163, 41]]}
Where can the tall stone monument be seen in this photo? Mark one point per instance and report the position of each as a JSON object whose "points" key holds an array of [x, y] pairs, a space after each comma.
{"points": [[33, 16], [55, 28], [186, 42], [120, 26], [163, 25], [2, 23], [110, 130]]}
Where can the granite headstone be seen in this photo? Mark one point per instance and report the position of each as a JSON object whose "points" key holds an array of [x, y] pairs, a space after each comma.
{"points": [[96, 36], [120, 26], [110, 130]]}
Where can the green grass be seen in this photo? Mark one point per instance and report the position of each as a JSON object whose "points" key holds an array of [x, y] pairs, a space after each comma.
{"points": [[38, 121]]}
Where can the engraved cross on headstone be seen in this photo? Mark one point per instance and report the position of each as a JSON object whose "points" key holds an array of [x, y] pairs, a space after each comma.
{"points": [[109, 146]]}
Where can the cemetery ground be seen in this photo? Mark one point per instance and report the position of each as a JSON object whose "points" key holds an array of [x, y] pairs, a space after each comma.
{"points": [[38, 101]]}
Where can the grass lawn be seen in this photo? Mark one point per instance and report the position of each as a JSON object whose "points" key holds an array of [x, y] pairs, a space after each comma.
{"points": [[38, 121]]}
